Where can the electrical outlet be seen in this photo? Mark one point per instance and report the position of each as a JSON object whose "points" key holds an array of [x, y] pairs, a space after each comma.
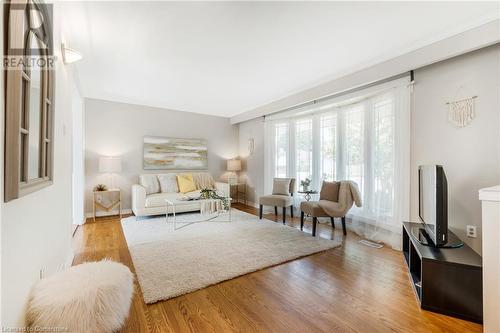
{"points": [[471, 231], [42, 273]]}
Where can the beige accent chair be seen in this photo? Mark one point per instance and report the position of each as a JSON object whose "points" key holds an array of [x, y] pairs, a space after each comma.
{"points": [[282, 197], [335, 200]]}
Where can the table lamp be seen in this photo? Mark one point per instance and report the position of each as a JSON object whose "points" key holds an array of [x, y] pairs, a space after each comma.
{"points": [[110, 165], [233, 166]]}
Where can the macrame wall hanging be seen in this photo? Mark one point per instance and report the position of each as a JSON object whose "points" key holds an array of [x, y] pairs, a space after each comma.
{"points": [[461, 112]]}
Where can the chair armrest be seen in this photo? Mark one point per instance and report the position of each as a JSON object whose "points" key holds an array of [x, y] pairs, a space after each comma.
{"points": [[138, 196], [222, 187]]}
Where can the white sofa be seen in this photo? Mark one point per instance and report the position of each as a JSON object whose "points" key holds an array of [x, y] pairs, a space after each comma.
{"points": [[144, 204]]}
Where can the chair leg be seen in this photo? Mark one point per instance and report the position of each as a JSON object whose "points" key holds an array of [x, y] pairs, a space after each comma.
{"points": [[284, 215], [343, 226], [301, 220], [276, 210], [260, 211], [291, 211], [315, 220], [333, 222]]}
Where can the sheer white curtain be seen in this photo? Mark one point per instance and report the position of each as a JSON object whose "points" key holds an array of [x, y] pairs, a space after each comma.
{"points": [[364, 137]]}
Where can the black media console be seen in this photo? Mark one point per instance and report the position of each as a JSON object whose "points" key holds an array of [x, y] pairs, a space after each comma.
{"points": [[445, 280]]}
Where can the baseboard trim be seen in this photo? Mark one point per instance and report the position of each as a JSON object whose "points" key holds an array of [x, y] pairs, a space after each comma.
{"points": [[110, 213]]}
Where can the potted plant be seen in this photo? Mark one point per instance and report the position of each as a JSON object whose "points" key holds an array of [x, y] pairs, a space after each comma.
{"points": [[305, 184], [208, 193]]}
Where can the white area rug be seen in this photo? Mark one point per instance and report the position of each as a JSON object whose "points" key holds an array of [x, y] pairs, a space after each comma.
{"points": [[172, 262]]}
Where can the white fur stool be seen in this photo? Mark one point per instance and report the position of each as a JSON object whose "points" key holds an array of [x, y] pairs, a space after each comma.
{"points": [[91, 297]]}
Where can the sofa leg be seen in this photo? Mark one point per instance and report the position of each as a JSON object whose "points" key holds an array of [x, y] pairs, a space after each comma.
{"points": [[275, 210], [260, 211], [284, 215], [301, 220], [333, 222], [315, 220], [343, 226], [291, 211]]}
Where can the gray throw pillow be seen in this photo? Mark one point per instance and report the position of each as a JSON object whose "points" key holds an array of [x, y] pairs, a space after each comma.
{"points": [[168, 183], [150, 183], [281, 186], [330, 191]]}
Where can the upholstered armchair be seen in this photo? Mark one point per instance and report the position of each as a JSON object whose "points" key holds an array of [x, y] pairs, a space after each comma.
{"points": [[283, 189], [336, 199]]}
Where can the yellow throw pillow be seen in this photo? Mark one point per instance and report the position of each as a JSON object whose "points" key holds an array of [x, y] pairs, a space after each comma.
{"points": [[186, 183]]}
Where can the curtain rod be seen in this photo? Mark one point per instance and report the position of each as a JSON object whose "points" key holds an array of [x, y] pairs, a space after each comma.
{"points": [[345, 92]]}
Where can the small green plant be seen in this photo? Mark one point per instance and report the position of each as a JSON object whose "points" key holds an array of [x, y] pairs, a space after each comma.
{"points": [[305, 183], [100, 188], [208, 193]]}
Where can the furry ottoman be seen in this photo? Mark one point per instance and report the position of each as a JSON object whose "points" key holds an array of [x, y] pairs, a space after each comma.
{"points": [[91, 297]]}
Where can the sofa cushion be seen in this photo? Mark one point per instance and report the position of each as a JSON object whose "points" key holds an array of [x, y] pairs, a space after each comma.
{"points": [[330, 191], [186, 183], [168, 183], [158, 199], [150, 183]]}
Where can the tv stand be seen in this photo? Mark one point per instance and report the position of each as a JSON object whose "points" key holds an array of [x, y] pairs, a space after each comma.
{"points": [[445, 280], [423, 238]]}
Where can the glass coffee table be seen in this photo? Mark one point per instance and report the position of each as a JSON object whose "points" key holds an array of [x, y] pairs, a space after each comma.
{"points": [[210, 210]]}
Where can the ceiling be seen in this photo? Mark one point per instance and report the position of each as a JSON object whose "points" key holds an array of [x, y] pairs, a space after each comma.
{"points": [[225, 58]]}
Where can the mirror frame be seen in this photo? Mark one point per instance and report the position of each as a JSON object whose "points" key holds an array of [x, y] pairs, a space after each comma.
{"points": [[17, 97]]}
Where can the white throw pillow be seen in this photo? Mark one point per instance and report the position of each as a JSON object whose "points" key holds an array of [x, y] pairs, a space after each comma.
{"points": [[150, 183], [281, 186], [168, 183]]}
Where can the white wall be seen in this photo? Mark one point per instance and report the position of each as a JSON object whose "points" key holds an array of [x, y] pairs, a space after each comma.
{"points": [[78, 174], [117, 129], [470, 155], [252, 165], [36, 229]]}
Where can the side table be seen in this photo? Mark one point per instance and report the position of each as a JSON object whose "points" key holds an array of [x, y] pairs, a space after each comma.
{"points": [[241, 188], [107, 200], [307, 194]]}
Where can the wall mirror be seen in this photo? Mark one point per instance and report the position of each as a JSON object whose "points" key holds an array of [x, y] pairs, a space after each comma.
{"points": [[28, 99]]}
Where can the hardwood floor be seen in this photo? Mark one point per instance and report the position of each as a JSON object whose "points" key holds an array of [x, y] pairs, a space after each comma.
{"points": [[353, 288]]}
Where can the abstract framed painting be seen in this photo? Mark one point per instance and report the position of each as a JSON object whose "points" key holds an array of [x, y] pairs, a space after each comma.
{"points": [[174, 154]]}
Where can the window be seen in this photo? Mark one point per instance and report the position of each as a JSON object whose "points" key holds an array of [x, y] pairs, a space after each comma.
{"points": [[28, 100], [328, 150], [281, 144], [304, 149], [383, 156], [348, 140], [354, 145]]}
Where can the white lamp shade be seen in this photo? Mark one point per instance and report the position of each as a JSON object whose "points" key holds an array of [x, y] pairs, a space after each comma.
{"points": [[233, 165], [110, 164]]}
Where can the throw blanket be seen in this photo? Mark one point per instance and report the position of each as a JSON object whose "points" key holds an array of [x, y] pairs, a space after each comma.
{"points": [[348, 193]]}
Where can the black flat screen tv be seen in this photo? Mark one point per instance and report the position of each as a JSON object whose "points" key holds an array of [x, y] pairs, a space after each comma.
{"points": [[433, 202]]}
